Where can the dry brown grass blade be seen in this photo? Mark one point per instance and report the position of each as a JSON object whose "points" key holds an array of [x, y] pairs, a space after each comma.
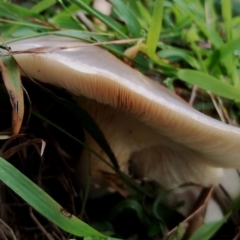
{"points": [[39, 50], [195, 220], [7, 154], [12, 81], [116, 183]]}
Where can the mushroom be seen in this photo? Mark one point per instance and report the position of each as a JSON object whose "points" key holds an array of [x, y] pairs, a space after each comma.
{"points": [[146, 125], [103, 7]]}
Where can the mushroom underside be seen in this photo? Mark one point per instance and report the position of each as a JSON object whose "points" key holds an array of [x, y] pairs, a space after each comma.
{"points": [[150, 155]]}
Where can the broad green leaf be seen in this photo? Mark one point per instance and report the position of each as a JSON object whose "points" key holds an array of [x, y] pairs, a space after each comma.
{"points": [[67, 18], [130, 204], [180, 54], [43, 203], [12, 81], [66, 21], [209, 83], [207, 230]]}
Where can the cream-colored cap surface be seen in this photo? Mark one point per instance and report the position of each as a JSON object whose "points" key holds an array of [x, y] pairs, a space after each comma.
{"points": [[95, 73]]}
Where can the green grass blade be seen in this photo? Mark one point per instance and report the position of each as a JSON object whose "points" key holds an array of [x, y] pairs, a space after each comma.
{"points": [[127, 16], [43, 5], [133, 205], [206, 231], [208, 30], [155, 28], [43, 203], [209, 83], [82, 35], [140, 12], [180, 54], [16, 12], [221, 53], [230, 61], [227, 16], [105, 19]]}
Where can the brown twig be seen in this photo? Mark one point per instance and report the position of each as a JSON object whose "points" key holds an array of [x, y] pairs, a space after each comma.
{"points": [[49, 237]]}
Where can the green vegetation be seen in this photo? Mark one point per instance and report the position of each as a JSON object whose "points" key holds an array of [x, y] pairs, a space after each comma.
{"points": [[191, 45]]}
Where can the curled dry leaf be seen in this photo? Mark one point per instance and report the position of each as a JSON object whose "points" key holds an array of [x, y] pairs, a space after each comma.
{"points": [[12, 81]]}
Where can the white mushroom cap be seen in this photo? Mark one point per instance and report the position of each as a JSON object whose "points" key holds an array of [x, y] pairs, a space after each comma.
{"points": [[96, 74], [166, 140]]}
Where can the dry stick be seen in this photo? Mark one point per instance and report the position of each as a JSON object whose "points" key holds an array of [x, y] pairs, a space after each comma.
{"points": [[2, 235], [219, 110], [9, 229], [88, 184], [39, 174], [11, 151], [2, 200], [193, 95], [30, 104], [59, 232], [49, 237], [39, 50], [82, 17], [225, 113], [56, 237], [237, 236]]}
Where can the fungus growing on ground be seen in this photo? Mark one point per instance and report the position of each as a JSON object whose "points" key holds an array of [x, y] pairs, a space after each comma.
{"points": [[165, 140]]}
